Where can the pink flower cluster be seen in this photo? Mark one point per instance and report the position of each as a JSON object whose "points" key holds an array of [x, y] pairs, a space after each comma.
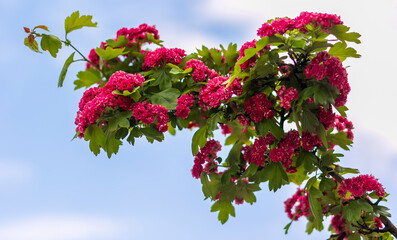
{"points": [[243, 120], [225, 129], [162, 56], [310, 140], [323, 65], [359, 185], [206, 154], [301, 209], [339, 224], [139, 33], [184, 102], [286, 149], [200, 70], [256, 152], [282, 25], [148, 113], [123, 81], [344, 125], [215, 92], [95, 100], [286, 96], [259, 106], [93, 103], [326, 117]]}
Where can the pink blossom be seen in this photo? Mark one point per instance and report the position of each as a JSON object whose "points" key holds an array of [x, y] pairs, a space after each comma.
{"points": [[310, 140], [215, 92], [259, 106], [206, 154], [324, 66], [286, 96], [301, 209], [200, 70], [123, 81], [225, 129], [163, 55], [148, 113], [359, 185], [184, 102]]}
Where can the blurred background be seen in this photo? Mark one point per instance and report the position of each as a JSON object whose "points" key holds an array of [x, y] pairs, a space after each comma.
{"points": [[52, 188]]}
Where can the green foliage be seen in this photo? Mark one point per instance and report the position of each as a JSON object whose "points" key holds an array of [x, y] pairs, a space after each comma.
{"points": [[109, 53], [166, 98], [199, 139], [75, 21], [64, 70], [97, 138], [50, 43], [340, 32], [341, 50], [33, 45], [87, 78], [225, 209]]}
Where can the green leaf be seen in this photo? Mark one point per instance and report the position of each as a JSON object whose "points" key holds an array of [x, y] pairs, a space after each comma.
{"points": [[163, 78], [75, 21], [206, 185], [277, 131], [341, 139], [152, 134], [212, 122], [341, 50], [354, 236], [352, 212], [308, 160], [381, 210], [250, 171], [327, 184], [315, 205], [340, 32], [97, 138], [246, 191], [64, 70], [121, 42], [225, 209], [342, 110], [112, 144], [276, 175], [150, 38], [309, 121], [109, 53], [234, 155], [310, 182], [87, 78], [167, 98], [199, 139], [322, 95], [119, 120], [34, 46], [134, 133], [318, 46], [216, 56], [50, 43], [288, 226]]}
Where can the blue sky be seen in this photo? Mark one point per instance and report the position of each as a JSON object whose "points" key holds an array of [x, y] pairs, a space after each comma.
{"points": [[54, 188]]}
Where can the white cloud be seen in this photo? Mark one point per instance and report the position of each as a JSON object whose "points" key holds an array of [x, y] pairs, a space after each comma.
{"points": [[60, 228]]}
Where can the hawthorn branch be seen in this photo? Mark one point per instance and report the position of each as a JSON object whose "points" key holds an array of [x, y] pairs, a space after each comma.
{"points": [[389, 226]]}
